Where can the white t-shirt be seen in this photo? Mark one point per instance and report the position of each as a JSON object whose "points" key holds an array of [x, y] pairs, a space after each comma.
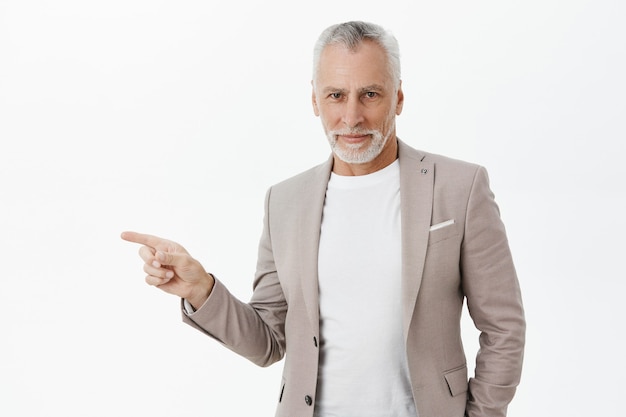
{"points": [[363, 370]]}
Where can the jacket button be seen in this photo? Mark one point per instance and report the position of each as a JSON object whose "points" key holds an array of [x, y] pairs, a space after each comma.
{"points": [[308, 400]]}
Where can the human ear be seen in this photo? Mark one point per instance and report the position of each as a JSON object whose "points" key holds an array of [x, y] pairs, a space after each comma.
{"points": [[400, 102], [316, 110]]}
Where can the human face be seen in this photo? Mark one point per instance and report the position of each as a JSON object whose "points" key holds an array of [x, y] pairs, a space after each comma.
{"points": [[357, 101]]}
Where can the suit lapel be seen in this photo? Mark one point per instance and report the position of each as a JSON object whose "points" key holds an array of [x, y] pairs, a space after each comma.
{"points": [[313, 193], [416, 194]]}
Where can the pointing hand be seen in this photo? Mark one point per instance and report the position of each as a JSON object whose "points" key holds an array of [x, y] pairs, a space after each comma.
{"points": [[170, 268]]}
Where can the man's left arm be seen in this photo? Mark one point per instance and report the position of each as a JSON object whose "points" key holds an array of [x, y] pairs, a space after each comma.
{"points": [[494, 302]]}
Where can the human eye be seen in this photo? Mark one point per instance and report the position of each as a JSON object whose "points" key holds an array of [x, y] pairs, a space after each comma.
{"points": [[336, 95], [371, 94]]}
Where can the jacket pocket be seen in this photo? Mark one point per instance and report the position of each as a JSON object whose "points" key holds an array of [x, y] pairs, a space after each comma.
{"points": [[457, 380], [437, 234]]}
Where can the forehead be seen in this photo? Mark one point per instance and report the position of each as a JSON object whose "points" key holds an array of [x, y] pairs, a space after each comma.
{"points": [[365, 65]]}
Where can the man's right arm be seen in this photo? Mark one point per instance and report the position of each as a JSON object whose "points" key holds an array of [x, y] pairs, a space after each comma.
{"points": [[255, 330]]}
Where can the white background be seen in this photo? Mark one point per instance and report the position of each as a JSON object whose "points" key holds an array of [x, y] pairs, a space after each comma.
{"points": [[173, 118]]}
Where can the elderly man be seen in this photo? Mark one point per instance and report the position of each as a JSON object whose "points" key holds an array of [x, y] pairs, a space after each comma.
{"points": [[365, 261]]}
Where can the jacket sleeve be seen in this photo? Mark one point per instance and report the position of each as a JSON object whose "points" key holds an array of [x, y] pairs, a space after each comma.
{"points": [[254, 330], [494, 301]]}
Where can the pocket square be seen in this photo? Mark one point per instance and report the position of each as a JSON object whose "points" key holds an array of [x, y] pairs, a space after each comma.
{"points": [[441, 225]]}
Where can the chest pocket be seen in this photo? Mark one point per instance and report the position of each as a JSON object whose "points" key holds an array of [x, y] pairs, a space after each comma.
{"points": [[442, 231]]}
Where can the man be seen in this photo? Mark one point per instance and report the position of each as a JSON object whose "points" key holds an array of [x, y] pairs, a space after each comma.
{"points": [[365, 261]]}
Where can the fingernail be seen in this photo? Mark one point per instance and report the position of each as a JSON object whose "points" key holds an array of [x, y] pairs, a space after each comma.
{"points": [[156, 264], [169, 274]]}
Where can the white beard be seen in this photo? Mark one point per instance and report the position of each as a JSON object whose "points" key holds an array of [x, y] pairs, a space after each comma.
{"points": [[358, 153]]}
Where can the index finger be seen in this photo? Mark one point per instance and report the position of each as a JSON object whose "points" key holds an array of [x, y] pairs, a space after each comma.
{"points": [[143, 239]]}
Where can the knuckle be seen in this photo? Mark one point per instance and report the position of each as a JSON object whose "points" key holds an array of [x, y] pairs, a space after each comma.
{"points": [[145, 253]]}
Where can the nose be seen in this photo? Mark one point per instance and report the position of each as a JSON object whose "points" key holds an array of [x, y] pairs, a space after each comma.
{"points": [[353, 113]]}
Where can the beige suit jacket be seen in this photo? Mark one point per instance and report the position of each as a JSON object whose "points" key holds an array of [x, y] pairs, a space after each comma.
{"points": [[467, 259]]}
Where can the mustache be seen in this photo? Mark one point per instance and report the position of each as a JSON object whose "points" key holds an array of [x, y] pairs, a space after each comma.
{"points": [[345, 132]]}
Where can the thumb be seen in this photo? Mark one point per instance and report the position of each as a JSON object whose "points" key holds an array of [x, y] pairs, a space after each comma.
{"points": [[183, 265], [171, 258]]}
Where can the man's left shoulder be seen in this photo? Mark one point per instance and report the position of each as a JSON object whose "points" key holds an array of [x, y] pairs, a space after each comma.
{"points": [[441, 163]]}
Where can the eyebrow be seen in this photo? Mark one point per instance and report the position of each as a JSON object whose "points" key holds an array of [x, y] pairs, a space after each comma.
{"points": [[372, 87], [362, 90]]}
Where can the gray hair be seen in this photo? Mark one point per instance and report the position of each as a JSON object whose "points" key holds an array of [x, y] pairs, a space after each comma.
{"points": [[351, 35]]}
